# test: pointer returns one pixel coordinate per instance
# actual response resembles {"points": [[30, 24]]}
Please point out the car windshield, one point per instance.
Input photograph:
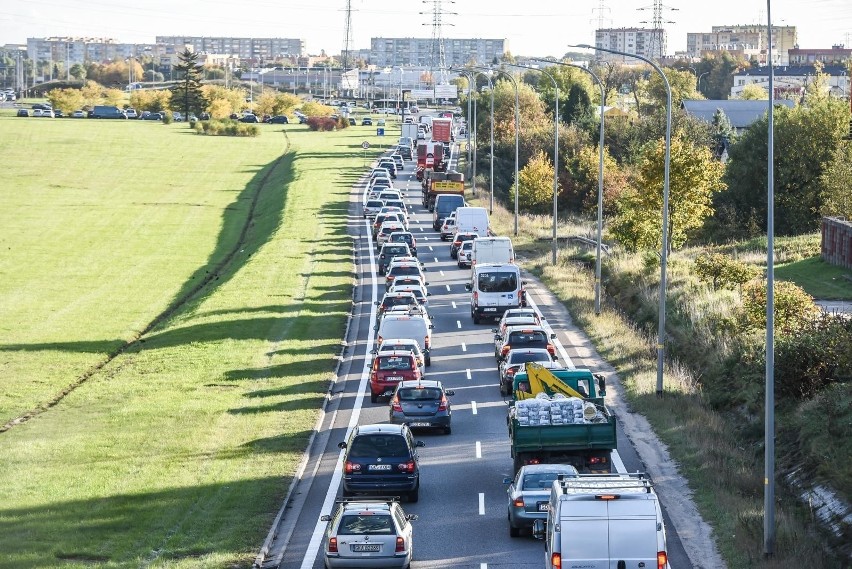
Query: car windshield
{"points": [[375, 203], [380, 445], [395, 249], [520, 358], [394, 362], [497, 282], [419, 394], [527, 336], [366, 524], [398, 301], [538, 481], [402, 270]]}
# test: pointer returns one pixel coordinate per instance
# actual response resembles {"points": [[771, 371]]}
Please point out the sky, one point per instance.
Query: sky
{"points": [[532, 27]]}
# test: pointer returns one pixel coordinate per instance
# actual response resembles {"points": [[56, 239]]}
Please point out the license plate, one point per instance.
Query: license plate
{"points": [[490, 309], [379, 467], [361, 547], [394, 378], [421, 424], [543, 506]]}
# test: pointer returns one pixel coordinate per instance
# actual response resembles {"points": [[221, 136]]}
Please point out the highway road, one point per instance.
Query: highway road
{"points": [[462, 508]]}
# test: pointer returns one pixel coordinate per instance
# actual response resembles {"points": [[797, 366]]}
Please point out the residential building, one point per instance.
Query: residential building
{"points": [[646, 42], [837, 55], [79, 49], [393, 52], [741, 114], [790, 81], [258, 49], [749, 41]]}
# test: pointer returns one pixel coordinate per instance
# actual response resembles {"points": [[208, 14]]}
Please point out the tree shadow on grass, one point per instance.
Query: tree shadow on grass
{"points": [[289, 369]]}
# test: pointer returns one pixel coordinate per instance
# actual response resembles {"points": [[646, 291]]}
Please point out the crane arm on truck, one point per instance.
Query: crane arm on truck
{"points": [[541, 380]]}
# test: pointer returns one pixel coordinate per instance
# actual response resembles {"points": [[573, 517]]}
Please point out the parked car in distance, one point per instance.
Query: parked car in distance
{"points": [[153, 117], [529, 493], [279, 119], [381, 459], [367, 121], [368, 533], [249, 119], [177, 117], [57, 113], [205, 116], [23, 113], [380, 122], [422, 404], [131, 113], [78, 114]]}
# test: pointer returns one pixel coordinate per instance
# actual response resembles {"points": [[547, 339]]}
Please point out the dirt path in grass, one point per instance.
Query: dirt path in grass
{"points": [[213, 274]]}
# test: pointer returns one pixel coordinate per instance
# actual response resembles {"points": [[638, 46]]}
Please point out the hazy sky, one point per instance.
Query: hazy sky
{"points": [[532, 27]]}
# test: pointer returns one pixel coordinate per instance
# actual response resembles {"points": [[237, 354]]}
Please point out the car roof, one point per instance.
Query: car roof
{"points": [[394, 353], [380, 428], [400, 341], [421, 383], [537, 468], [525, 327], [542, 351]]}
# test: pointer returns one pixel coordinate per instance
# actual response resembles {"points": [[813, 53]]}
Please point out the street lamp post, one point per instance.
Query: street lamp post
{"points": [[491, 148], [555, 154], [600, 180], [698, 88], [661, 330]]}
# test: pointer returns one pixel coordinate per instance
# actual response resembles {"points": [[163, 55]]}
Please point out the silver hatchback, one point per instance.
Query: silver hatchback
{"points": [[529, 493]]}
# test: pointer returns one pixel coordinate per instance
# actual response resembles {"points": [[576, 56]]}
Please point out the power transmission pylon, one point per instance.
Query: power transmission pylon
{"points": [[657, 32], [438, 57], [347, 37]]}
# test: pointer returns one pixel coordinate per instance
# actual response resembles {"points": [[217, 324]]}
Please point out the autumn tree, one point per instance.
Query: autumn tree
{"points": [[272, 103], [187, 96], [835, 183], [754, 92], [535, 185], [580, 193], [682, 84], [695, 177], [153, 100], [67, 100], [222, 101]]}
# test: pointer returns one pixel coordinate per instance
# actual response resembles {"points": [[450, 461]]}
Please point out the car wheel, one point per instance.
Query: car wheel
{"points": [[374, 398], [514, 532], [414, 496], [460, 265], [475, 317], [448, 430], [428, 360]]}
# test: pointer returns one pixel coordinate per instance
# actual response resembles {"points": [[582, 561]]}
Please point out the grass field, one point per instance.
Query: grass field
{"points": [[178, 451], [819, 279]]}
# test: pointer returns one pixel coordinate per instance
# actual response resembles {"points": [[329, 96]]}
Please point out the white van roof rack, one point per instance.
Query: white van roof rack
{"points": [[596, 483]]}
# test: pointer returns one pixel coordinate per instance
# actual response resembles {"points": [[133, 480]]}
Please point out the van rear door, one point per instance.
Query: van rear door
{"points": [[632, 532], [585, 534]]}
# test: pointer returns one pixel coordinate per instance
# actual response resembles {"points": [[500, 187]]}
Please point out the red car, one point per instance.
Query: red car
{"points": [[389, 368]]}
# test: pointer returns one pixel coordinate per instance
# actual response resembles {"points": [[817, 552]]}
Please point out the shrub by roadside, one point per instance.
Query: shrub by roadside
{"points": [[226, 127]]}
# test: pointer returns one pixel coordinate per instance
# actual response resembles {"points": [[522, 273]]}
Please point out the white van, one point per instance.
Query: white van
{"points": [[494, 289], [407, 326], [472, 220], [603, 521], [492, 250]]}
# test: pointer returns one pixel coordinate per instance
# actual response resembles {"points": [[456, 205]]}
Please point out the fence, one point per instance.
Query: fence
{"points": [[837, 241]]}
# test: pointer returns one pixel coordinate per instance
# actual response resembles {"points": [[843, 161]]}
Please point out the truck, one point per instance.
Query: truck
{"points": [[442, 130], [409, 130], [430, 156], [559, 416], [603, 521], [473, 220], [437, 183]]}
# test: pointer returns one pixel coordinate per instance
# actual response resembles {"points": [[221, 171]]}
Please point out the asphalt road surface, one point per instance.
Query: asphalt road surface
{"points": [[463, 505]]}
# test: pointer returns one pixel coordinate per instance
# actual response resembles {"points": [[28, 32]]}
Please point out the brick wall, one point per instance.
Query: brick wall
{"points": [[837, 241]]}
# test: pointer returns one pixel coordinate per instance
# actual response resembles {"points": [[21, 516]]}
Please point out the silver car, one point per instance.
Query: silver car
{"points": [[529, 493], [368, 533]]}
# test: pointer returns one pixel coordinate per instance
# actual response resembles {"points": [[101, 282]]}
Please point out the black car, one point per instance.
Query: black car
{"points": [[234, 116], [204, 116], [457, 242], [23, 113], [42, 106], [404, 151], [153, 117], [279, 119], [366, 121], [422, 404], [381, 459], [57, 113], [389, 251], [352, 121], [404, 237], [249, 119]]}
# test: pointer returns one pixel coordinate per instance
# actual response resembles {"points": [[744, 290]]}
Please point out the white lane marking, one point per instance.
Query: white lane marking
{"points": [[458, 323], [319, 529], [430, 248], [483, 566], [448, 290], [473, 407], [442, 273], [467, 373], [436, 259], [566, 361], [617, 462], [481, 504], [454, 303], [478, 449], [421, 229], [464, 347]]}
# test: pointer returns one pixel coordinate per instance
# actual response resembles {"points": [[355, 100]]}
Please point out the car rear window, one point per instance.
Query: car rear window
{"points": [[394, 362], [538, 481], [402, 270], [397, 301], [527, 336], [375, 203], [370, 524], [497, 282], [419, 394], [395, 249], [520, 358], [381, 445]]}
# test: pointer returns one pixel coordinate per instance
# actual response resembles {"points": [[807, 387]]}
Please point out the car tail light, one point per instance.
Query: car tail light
{"points": [[533, 461], [556, 560], [426, 342], [442, 406], [510, 371], [551, 350], [662, 560], [518, 502], [505, 350], [390, 277], [475, 297], [332, 545], [395, 404], [400, 545], [407, 466], [597, 460], [351, 467]]}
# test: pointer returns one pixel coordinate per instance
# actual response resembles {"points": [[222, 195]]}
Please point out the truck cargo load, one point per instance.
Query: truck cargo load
{"points": [[430, 155], [437, 183], [442, 130]]}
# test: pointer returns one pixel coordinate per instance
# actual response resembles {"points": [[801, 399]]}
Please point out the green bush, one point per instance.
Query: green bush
{"points": [[814, 357], [226, 127], [794, 308], [168, 117], [321, 123], [722, 271]]}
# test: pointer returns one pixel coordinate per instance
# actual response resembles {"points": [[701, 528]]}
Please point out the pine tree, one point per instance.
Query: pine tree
{"points": [[187, 96]]}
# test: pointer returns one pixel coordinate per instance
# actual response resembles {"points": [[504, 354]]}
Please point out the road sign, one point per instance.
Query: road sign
{"points": [[380, 132], [365, 145]]}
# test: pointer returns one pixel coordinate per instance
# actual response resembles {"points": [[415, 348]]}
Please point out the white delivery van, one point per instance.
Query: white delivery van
{"points": [[492, 250], [603, 521], [407, 326], [494, 289], [472, 220]]}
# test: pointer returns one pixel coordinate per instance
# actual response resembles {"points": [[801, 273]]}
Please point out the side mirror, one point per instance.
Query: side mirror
{"points": [[427, 284], [467, 287], [431, 326], [507, 480], [325, 518], [497, 336], [341, 445], [449, 393], [374, 351], [428, 294], [601, 385], [494, 330], [377, 303], [419, 444], [375, 327], [553, 336], [539, 529], [524, 283], [411, 517]]}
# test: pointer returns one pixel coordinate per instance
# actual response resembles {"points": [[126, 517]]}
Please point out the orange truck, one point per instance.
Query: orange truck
{"points": [[442, 130]]}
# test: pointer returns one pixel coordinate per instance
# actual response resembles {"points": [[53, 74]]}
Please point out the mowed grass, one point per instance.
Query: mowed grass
{"points": [[177, 453], [819, 279]]}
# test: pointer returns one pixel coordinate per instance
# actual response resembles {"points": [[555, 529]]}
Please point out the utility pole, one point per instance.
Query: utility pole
{"points": [[347, 44], [657, 31]]}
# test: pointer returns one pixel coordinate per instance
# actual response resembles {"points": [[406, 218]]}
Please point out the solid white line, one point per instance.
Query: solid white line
{"points": [[319, 529], [617, 462], [483, 566], [458, 323], [478, 449], [481, 504], [467, 372], [464, 347], [566, 361], [436, 259], [473, 407], [454, 304]]}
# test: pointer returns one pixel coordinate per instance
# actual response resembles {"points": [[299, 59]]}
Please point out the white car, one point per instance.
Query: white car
{"points": [[372, 207], [418, 291], [132, 114], [465, 254], [404, 345]]}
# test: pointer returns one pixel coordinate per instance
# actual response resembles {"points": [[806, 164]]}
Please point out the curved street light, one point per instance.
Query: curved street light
{"points": [[555, 152], [600, 180], [661, 330], [517, 131]]}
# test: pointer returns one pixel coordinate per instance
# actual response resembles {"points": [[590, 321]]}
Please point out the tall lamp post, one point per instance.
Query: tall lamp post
{"points": [[491, 150], [698, 87], [555, 154], [517, 132], [600, 179], [469, 76], [661, 330]]}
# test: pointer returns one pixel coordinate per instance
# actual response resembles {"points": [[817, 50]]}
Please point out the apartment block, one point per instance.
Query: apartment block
{"points": [[390, 52], [749, 41], [79, 49], [646, 42], [837, 55], [261, 49]]}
